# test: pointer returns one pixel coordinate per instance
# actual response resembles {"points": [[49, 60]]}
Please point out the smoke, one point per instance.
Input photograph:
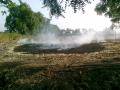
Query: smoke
{"points": [[51, 38]]}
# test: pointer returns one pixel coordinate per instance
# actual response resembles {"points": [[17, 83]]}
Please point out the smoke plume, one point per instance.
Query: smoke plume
{"points": [[51, 38]]}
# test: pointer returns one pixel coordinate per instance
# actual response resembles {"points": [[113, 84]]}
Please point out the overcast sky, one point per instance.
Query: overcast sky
{"points": [[72, 20]]}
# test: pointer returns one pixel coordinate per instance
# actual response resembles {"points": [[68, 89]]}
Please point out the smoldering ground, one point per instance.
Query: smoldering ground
{"points": [[65, 39]]}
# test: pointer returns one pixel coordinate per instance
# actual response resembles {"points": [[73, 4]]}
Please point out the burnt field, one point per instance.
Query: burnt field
{"points": [[35, 54], [87, 53], [56, 49], [92, 66]]}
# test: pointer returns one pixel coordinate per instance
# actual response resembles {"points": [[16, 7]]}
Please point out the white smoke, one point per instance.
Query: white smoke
{"points": [[51, 40]]}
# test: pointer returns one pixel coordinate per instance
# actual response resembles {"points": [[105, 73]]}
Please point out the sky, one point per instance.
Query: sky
{"points": [[89, 20], [2, 20]]}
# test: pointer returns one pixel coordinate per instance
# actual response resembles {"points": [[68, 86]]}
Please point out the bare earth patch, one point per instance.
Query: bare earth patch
{"points": [[107, 52]]}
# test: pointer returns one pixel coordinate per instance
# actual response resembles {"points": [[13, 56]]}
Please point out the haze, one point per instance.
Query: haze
{"points": [[72, 20]]}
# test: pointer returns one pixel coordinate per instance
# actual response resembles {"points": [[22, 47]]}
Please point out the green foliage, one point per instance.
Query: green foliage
{"points": [[23, 20], [7, 3], [109, 8], [56, 7]]}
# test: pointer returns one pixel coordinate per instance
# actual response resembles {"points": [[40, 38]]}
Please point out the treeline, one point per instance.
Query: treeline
{"points": [[21, 19], [50, 28]]}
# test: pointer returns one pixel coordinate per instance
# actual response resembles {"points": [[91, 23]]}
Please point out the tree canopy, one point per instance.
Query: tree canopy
{"points": [[23, 20], [55, 6], [110, 8], [7, 3]]}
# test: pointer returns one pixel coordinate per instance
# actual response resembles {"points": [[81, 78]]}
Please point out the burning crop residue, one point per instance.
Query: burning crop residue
{"points": [[38, 49], [65, 40], [49, 40]]}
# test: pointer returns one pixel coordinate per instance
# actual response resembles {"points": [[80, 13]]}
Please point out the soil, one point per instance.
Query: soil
{"points": [[94, 53]]}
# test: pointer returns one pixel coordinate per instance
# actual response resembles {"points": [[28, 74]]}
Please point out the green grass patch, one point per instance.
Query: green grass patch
{"points": [[7, 37]]}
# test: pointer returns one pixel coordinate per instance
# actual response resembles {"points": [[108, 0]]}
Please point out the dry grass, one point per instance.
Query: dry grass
{"points": [[7, 37], [98, 69]]}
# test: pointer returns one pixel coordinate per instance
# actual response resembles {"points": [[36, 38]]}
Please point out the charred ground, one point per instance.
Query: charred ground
{"points": [[91, 66], [79, 49]]}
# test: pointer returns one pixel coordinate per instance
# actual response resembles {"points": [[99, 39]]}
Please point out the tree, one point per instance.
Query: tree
{"points": [[23, 20], [7, 3], [55, 6], [110, 8]]}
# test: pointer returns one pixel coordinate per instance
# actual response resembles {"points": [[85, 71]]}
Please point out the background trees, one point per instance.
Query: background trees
{"points": [[109, 7], [56, 6], [23, 20]]}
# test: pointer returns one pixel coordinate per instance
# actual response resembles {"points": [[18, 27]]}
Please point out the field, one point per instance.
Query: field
{"points": [[94, 66]]}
